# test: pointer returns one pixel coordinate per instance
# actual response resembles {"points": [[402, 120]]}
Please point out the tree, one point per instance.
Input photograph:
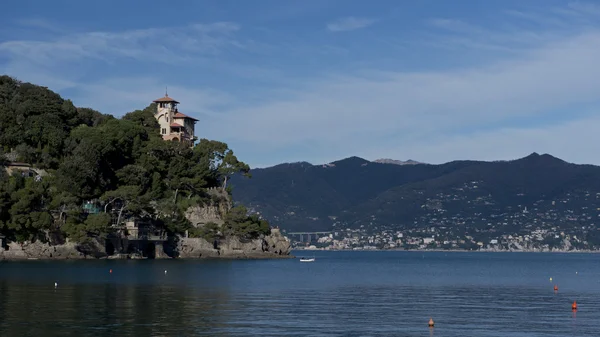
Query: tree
{"points": [[209, 232], [128, 198], [186, 175], [28, 214], [63, 202], [146, 119], [3, 162], [94, 226], [91, 117], [171, 217], [89, 157], [231, 165], [220, 159], [134, 175], [239, 223]]}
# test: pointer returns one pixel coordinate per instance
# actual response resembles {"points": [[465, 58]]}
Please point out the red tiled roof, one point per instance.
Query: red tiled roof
{"points": [[165, 99], [180, 115], [175, 125]]}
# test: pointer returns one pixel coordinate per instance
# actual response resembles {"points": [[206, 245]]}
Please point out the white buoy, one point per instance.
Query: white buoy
{"points": [[165, 271], [55, 284]]}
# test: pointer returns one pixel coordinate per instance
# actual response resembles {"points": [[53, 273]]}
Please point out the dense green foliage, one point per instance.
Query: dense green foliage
{"points": [[237, 223], [354, 191], [121, 166]]}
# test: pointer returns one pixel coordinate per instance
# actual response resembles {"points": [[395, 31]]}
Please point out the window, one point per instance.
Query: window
{"points": [[167, 119], [164, 131]]}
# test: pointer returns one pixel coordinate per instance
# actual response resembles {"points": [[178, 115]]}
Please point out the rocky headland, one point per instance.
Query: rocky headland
{"points": [[274, 245]]}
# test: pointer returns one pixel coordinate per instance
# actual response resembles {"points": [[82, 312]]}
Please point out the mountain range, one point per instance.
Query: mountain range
{"points": [[357, 192]]}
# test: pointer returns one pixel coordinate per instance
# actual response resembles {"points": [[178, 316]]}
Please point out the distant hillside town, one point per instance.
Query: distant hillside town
{"points": [[536, 203]]}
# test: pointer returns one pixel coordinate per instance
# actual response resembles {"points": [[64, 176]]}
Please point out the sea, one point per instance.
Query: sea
{"points": [[350, 293]]}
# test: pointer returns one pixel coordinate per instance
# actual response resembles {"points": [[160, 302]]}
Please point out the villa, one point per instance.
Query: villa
{"points": [[174, 125]]}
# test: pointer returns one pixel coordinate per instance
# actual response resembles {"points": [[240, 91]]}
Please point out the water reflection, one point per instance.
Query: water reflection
{"points": [[106, 310], [285, 298]]}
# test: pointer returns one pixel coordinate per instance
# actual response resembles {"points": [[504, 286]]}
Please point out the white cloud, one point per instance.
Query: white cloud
{"points": [[167, 45], [349, 23], [394, 115], [406, 103], [432, 116]]}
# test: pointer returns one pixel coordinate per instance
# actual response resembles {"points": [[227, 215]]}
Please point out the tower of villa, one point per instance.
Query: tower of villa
{"points": [[174, 125]]}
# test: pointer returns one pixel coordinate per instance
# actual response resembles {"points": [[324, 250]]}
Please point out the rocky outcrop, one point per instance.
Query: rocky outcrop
{"points": [[277, 243], [271, 246], [201, 215], [40, 250], [195, 248], [213, 210]]}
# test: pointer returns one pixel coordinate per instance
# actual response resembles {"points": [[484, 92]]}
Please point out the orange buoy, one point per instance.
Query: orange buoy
{"points": [[574, 305], [555, 288], [110, 271], [431, 322]]}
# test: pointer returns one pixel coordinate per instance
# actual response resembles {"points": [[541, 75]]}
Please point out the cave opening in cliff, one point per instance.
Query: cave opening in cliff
{"points": [[150, 250]]}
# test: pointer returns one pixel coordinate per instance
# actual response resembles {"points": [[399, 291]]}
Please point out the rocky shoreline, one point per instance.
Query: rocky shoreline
{"points": [[274, 246]]}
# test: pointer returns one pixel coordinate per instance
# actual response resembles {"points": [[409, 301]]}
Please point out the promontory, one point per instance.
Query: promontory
{"points": [[76, 183]]}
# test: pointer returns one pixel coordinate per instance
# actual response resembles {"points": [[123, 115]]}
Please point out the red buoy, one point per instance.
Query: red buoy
{"points": [[555, 288], [574, 306]]}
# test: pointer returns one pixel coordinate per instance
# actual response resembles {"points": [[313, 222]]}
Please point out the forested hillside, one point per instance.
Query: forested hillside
{"points": [[120, 166], [355, 192]]}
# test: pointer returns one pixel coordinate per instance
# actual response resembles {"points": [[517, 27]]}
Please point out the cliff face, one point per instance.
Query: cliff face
{"points": [[271, 246], [213, 210], [39, 250]]}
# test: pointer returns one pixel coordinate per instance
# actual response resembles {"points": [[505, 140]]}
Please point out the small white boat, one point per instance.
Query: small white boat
{"points": [[307, 259]]}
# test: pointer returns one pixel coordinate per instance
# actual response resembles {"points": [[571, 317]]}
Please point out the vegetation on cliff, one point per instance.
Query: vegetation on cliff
{"points": [[91, 170]]}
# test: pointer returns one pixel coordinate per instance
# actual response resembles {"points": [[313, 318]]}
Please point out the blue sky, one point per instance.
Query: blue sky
{"points": [[321, 80]]}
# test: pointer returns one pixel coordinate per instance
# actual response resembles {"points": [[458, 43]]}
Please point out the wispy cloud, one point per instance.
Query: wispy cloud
{"points": [[349, 23], [155, 44], [585, 7], [408, 103], [535, 89], [431, 115]]}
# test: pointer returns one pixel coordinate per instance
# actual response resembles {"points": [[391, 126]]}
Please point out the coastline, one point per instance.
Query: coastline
{"points": [[273, 246], [267, 256], [453, 251]]}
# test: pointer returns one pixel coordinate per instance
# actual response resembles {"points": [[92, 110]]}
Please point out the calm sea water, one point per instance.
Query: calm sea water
{"points": [[341, 294]]}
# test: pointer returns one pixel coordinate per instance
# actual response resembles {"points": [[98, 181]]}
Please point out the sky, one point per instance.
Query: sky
{"points": [[322, 80]]}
